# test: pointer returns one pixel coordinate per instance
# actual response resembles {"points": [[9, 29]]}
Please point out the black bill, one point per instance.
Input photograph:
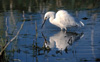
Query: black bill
{"points": [[43, 23]]}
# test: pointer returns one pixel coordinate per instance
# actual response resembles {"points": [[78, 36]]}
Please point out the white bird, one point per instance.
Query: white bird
{"points": [[61, 19]]}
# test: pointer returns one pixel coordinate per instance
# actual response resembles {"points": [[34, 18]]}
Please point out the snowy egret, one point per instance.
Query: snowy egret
{"points": [[61, 19]]}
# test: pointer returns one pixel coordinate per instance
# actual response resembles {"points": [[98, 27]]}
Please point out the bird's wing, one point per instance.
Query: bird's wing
{"points": [[65, 18]]}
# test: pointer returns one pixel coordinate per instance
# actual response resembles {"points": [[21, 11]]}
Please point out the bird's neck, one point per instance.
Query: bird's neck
{"points": [[51, 19]]}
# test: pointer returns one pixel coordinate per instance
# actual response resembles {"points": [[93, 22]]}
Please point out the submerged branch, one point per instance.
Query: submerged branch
{"points": [[13, 37]]}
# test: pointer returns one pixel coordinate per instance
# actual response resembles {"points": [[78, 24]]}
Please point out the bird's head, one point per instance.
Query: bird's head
{"points": [[47, 16]]}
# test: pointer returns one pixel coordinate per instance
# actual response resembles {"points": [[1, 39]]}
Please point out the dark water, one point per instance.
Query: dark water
{"points": [[76, 45]]}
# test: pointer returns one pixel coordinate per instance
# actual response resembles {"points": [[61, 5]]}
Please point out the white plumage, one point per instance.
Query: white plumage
{"points": [[61, 19]]}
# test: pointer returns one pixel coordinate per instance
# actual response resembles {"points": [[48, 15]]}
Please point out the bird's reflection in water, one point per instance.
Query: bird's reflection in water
{"points": [[62, 40]]}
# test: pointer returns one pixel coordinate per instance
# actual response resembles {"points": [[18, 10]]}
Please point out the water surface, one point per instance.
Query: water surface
{"points": [[77, 44]]}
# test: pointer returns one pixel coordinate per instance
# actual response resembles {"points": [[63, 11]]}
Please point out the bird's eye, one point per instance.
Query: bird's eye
{"points": [[45, 17]]}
